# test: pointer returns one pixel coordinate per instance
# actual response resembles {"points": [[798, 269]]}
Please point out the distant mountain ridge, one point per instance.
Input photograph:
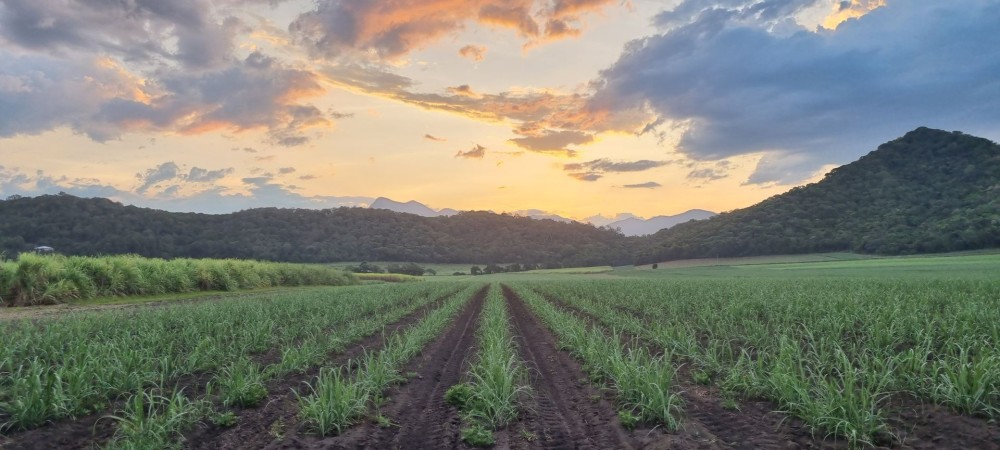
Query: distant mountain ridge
{"points": [[630, 226], [636, 226], [410, 207], [926, 192]]}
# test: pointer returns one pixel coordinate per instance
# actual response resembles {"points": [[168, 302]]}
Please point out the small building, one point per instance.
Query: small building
{"points": [[44, 249]]}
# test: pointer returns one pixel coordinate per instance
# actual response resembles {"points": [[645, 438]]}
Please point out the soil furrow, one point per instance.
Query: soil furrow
{"points": [[565, 411], [275, 422], [707, 424], [420, 417], [96, 429]]}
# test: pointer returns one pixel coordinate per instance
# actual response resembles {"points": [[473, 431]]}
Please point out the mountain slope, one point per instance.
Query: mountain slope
{"points": [[79, 226], [410, 207], [928, 191], [635, 226]]}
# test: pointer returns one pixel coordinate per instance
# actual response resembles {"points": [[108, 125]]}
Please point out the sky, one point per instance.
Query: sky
{"points": [[582, 108]]}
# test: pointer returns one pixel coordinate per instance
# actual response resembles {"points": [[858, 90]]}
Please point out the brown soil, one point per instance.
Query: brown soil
{"points": [[276, 422], [707, 424], [925, 426], [94, 430], [420, 417], [756, 425], [564, 411]]}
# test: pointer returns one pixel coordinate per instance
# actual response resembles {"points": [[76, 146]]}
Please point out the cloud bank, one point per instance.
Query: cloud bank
{"points": [[739, 77]]}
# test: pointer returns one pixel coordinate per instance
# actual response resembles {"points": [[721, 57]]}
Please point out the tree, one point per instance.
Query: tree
{"points": [[655, 266], [366, 267], [475, 270]]}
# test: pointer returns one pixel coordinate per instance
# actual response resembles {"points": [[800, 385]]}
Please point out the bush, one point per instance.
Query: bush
{"points": [[45, 279]]}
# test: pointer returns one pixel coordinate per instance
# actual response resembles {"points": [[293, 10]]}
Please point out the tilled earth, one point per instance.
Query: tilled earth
{"points": [[563, 411]]}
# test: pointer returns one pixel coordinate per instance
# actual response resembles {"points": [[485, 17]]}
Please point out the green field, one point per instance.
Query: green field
{"points": [[846, 348]]}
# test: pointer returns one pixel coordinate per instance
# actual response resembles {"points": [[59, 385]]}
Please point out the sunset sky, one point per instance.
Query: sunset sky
{"points": [[573, 107]]}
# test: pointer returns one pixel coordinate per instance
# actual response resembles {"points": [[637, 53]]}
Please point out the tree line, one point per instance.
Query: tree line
{"points": [[928, 191]]}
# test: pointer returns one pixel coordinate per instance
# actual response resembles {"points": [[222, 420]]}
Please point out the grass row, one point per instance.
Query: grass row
{"points": [[243, 383], [833, 353], [341, 396], [497, 377], [46, 279], [643, 383], [79, 364]]}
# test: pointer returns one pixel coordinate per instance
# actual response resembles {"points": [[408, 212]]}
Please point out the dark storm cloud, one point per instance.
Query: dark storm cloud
{"points": [[739, 83]]}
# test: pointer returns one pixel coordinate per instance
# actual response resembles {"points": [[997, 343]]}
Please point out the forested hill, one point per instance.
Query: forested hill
{"points": [[76, 226], [928, 191]]}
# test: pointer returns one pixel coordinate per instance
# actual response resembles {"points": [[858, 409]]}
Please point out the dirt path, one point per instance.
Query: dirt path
{"points": [[564, 411]]}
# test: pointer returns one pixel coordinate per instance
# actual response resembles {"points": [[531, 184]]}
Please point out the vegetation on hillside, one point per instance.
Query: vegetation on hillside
{"points": [[929, 191], [76, 226]]}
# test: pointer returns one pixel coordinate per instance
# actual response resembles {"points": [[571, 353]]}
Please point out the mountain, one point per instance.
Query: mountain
{"points": [[637, 226], [410, 207], [600, 221], [77, 226], [538, 214], [928, 191]]}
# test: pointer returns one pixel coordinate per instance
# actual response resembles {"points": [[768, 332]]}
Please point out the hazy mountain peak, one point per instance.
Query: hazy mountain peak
{"points": [[637, 226], [410, 207]]}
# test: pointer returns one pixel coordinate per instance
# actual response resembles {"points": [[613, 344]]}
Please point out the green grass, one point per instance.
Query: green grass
{"points": [[340, 397], [387, 277], [48, 279], [78, 364], [642, 382], [969, 266], [830, 350], [496, 380], [573, 270]]}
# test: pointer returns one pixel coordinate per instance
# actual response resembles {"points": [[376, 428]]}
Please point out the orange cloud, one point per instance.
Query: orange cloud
{"points": [[546, 121], [390, 29], [476, 53], [477, 152], [846, 10]]}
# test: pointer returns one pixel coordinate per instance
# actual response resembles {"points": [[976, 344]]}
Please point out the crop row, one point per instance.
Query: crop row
{"points": [[642, 382], [830, 352], [43, 279], [339, 396], [497, 378], [335, 400], [79, 364]]}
